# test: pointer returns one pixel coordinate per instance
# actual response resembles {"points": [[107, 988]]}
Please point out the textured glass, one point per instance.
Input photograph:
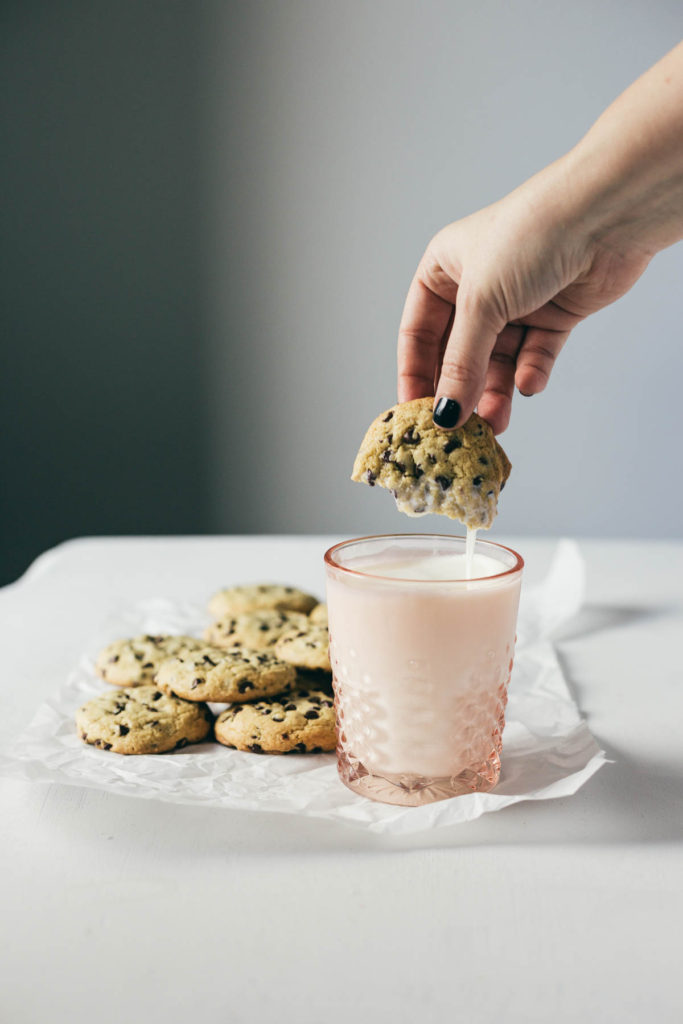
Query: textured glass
{"points": [[421, 670]]}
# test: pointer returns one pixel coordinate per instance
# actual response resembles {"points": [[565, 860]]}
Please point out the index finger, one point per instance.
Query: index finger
{"points": [[425, 321]]}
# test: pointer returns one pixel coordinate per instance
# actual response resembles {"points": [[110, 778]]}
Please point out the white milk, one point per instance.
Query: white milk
{"points": [[421, 665]]}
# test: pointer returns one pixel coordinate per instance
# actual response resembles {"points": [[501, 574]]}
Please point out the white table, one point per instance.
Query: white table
{"points": [[557, 911]]}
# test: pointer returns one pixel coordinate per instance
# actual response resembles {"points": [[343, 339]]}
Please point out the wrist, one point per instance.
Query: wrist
{"points": [[626, 187]]}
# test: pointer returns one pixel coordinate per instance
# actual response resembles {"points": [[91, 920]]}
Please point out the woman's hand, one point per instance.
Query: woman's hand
{"points": [[496, 294]]}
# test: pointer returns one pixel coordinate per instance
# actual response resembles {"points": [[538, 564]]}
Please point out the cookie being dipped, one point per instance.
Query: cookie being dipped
{"points": [[457, 473]]}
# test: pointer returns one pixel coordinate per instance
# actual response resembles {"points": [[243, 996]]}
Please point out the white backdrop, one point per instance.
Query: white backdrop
{"points": [[338, 138]]}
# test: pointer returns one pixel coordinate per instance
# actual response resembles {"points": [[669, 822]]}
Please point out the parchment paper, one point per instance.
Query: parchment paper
{"points": [[548, 750]]}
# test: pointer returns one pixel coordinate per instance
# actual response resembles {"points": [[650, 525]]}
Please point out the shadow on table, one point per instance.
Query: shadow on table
{"points": [[630, 801], [596, 618]]}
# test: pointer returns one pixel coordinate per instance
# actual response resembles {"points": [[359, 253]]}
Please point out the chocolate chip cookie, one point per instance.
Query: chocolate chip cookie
{"points": [[300, 723], [257, 630], [135, 661], [306, 648], [256, 596], [319, 615], [213, 673], [458, 473], [142, 720]]}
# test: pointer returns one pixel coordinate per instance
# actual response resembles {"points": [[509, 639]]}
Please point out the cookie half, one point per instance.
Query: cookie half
{"points": [[257, 596], [306, 648], [302, 722], [257, 630], [142, 720], [457, 473], [135, 661], [215, 674]]}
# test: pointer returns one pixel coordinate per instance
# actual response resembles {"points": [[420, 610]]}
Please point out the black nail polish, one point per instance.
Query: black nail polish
{"points": [[447, 412]]}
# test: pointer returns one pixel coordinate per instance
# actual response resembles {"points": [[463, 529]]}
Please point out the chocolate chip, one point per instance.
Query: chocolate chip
{"points": [[386, 455], [244, 685], [265, 711], [420, 510], [289, 590], [113, 659], [181, 743], [316, 750], [157, 695], [123, 730], [385, 419], [419, 471], [484, 461], [451, 445], [84, 735], [208, 661], [118, 708], [389, 438], [370, 477], [148, 664], [264, 627], [195, 683], [477, 481], [236, 710], [154, 639], [400, 467], [278, 718], [290, 707], [502, 485], [255, 748], [326, 703], [311, 714], [489, 494], [107, 746], [285, 735], [262, 658], [300, 748], [444, 482], [138, 657], [410, 437], [431, 459]]}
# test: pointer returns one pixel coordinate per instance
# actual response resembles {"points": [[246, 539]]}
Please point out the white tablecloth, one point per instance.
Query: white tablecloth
{"points": [[564, 910]]}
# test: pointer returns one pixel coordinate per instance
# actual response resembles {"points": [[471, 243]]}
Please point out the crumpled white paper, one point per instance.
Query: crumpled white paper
{"points": [[548, 750]]}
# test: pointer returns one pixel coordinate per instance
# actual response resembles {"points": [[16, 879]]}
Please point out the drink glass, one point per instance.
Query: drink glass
{"points": [[421, 659]]}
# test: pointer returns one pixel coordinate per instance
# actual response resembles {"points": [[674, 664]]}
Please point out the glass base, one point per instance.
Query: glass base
{"points": [[416, 790]]}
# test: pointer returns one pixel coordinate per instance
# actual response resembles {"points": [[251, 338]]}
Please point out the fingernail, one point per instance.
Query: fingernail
{"points": [[447, 412]]}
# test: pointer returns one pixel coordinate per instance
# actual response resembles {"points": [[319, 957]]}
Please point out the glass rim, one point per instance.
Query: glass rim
{"points": [[329, 558]]}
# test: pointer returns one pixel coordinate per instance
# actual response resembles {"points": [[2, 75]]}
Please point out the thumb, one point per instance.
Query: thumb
{"points": [[466, 359]]}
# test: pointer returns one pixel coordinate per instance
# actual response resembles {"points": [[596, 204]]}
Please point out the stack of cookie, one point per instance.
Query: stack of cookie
{"points": [[265, 655]]}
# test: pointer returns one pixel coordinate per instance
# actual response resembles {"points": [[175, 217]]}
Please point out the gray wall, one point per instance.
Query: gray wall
{"points": [[101, 390], [213, 213]]}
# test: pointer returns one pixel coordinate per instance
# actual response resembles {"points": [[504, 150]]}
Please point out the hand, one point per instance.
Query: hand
{"points": [[496, 295]]}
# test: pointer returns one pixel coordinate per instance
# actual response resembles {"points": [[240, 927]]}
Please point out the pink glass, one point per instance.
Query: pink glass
{"points": [[421, 669]]}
